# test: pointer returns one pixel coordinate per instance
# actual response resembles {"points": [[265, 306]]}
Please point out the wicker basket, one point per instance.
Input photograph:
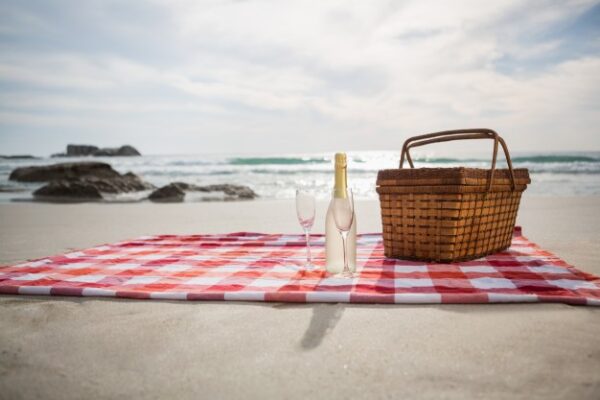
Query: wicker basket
{"points": [[449, 214]]}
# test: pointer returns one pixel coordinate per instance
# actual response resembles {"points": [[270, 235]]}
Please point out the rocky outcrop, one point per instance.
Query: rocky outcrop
{"points": [[79, 181], [125, 183], [83, 181], [171, 193], [175, 192], [125, 151], [68, 190], [78, 150], [46, 173], [75, 150], [82, 150], [91, 187], [239, 191], [235, 191], [17, 157]]}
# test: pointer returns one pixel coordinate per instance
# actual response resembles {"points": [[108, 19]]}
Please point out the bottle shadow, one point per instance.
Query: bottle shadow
{"points": [[324, 319]]}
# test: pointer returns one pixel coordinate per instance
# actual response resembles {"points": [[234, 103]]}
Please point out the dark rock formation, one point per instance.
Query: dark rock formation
{"points": [[92, 187], [125, 183], [18, 157], [76, 150], [68, 190], [176, 192], [237, 191], [83, 180], [182, 185], [242, 192], [168, 193], [82, 150], [120, 151], [46, 173]]}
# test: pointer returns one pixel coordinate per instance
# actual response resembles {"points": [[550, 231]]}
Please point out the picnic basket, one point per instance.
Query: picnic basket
{"points": [[449, 214]]}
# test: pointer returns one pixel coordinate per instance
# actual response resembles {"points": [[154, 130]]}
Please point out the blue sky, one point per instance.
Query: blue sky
{"points": [[296, 76]]}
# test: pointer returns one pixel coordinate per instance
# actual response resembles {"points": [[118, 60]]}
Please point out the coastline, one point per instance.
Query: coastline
{"points": [[276, 176], [58, 347]]}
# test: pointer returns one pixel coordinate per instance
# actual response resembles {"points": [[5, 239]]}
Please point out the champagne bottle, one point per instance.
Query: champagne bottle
{"points": [[334, 247]]}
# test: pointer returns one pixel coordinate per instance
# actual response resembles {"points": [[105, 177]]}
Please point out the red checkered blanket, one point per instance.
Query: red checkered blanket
{"points": [[268, 267]]}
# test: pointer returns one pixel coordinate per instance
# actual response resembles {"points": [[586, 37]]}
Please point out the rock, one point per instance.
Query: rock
{"points": [[81, 150], [65, 189], [82, 180], [126, 150], [187, 186], [239, 191], [178, 189], [169, 193], [47, 173], [122, 184], [18, 157], [87, 187], [82, 187], [77, 150]]}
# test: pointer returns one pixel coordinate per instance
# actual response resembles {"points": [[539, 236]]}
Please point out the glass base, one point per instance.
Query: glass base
{"points": [[309, 266]]}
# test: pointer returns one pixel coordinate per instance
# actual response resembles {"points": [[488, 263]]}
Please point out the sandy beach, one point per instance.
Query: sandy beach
{"points": [[72, 348], [124, 120]]}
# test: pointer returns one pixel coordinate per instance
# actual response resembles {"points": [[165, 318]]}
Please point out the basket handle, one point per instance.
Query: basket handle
{"points": [[460, 134]]}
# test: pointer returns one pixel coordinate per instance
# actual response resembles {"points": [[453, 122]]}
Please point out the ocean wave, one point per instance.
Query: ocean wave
{"points": [[277, 160], [538, 159], [443, 160], [547, 159], [277, 176], [189, 163], [564, 172], [264, 171]]}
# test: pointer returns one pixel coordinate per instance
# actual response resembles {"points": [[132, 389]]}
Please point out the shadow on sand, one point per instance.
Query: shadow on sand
{"points": [[323, 320]]}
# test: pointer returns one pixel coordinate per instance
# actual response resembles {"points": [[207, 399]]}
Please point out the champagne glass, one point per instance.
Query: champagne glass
{"points": [[343, 214], [305, 210]]}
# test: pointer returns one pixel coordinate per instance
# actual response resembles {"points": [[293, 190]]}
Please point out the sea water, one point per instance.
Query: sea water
{"points": [[277, 176]]}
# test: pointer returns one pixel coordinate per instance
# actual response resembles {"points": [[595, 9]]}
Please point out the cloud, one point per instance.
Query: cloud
{"points": [[297, 76]]}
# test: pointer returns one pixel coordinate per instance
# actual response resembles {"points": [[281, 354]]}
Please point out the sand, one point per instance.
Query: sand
{"points": [[71, 348]]}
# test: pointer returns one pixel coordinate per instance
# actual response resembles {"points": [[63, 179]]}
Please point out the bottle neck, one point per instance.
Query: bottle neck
{"points": [[341, 183]]}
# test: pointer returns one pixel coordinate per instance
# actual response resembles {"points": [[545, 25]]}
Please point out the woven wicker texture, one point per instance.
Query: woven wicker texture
{"points": [[449, 214]]}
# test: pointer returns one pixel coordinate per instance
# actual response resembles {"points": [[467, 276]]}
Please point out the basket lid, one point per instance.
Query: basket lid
{"points": [[449, 176]]}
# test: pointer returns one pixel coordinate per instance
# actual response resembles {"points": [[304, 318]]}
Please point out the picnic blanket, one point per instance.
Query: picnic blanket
{"points": [[269, 267]]}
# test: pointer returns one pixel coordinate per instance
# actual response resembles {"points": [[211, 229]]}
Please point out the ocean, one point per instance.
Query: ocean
{"points": [[277, 177]]}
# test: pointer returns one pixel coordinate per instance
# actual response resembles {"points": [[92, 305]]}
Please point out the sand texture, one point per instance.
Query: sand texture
{"points": [[73, 348]]}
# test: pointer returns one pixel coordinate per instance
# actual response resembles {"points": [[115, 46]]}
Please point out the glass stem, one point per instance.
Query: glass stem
{"points": [[308, 255], [346, 268]]}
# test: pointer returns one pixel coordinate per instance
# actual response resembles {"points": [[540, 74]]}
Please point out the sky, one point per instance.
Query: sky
{"points": [[261, 76]]}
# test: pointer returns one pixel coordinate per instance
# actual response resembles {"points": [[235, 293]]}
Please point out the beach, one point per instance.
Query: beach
{"points": [[71, 348], [158, 158]]}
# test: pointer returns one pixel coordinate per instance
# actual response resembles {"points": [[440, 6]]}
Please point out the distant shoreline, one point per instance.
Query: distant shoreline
{"points": [[277, 176]]}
